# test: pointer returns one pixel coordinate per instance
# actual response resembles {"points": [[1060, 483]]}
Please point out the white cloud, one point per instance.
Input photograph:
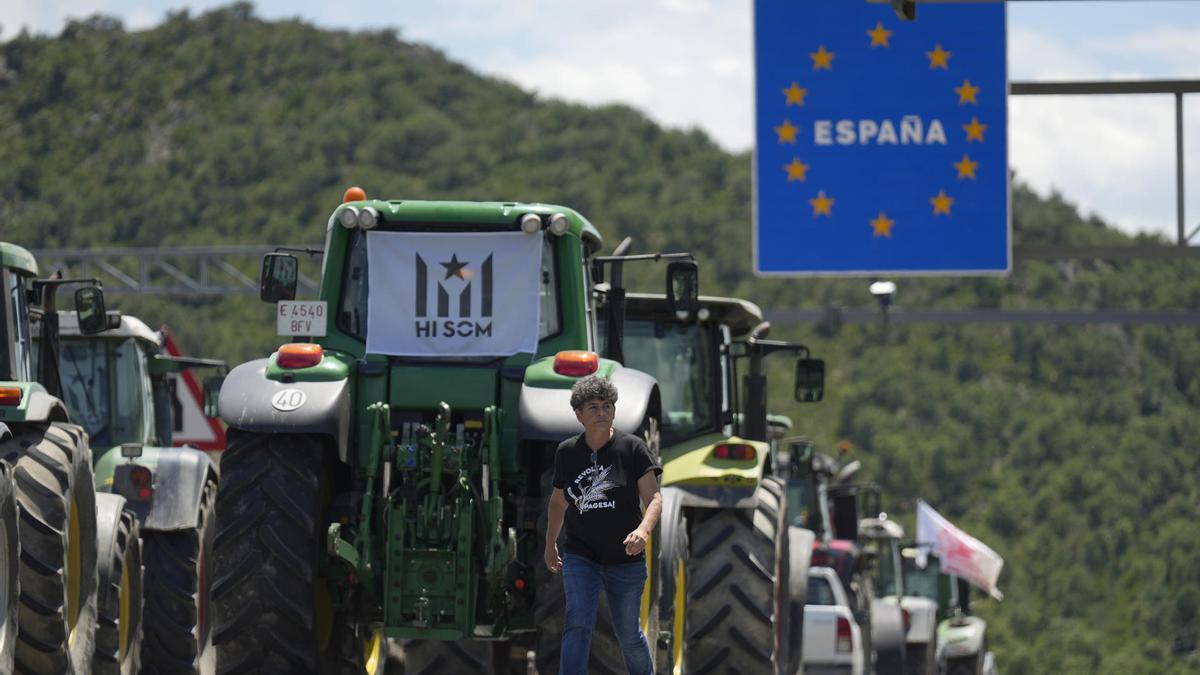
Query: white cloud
{"points": [[19, 14], [1175, 49]]}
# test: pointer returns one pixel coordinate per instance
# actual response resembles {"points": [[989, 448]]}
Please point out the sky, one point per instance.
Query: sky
{"points": [[689, 64]]}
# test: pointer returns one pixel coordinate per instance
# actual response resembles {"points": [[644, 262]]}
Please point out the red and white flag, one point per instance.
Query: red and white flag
{"points": [[959, 553]]}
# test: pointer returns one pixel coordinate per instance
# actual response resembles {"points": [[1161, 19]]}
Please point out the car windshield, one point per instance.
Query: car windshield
{"points": [[682, 359], [103, 386], [820, 592]]}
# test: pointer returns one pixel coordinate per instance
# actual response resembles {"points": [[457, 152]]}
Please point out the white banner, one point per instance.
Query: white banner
{"points": [[453, 294], [959, 553]]}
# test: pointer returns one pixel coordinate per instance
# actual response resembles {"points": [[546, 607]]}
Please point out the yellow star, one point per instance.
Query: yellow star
{"points": [[795, 94], [966, 93], [941, 203], [822, 59], [939, 58], [822, 205], [974, 130], [966, 168], [879, 36], [883, 225], [797, 170], [787, 132]]}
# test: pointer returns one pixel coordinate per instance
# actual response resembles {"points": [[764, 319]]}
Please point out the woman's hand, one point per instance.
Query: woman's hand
{"points": [[553, 562], [635, 542]]}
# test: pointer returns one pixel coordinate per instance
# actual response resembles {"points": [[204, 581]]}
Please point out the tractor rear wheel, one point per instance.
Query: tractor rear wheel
{"points": [[119, 630], [672, 594], [273, 609], [737, 587], [58, 573], [10, 558], [178, 571], [433, 657]]}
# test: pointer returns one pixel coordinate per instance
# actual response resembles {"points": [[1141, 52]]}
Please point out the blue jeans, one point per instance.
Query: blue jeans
{"points": [[622, 584]]}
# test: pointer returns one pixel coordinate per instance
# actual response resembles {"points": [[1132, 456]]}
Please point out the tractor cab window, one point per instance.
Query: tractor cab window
{"points": [[681, 358], [548, 320], [105, 385], [921, 582], [21, 344], [889, 577]]}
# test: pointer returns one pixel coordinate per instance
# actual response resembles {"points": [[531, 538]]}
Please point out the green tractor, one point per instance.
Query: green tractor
{"points": [[386, 473], [119, 385], [731, 565], [961, 637], [78, 570]]}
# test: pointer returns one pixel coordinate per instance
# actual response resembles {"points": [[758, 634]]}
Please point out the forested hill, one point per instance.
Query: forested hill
{"points": [[1073, 451]]}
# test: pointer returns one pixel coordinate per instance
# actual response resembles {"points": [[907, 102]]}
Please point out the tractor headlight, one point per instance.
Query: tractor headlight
{"points": [[558, 224], [368, 218], [348, 217], [530, 223]]}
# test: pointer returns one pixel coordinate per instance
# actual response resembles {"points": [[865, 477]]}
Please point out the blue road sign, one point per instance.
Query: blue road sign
{"points": [[881, 145]]}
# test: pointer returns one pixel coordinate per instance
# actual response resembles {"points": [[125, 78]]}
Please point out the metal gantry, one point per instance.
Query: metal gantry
{"points": [[165, 270]]}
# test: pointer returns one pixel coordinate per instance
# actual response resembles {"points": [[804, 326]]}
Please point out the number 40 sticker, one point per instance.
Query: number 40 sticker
{"points": [[288, 400]]}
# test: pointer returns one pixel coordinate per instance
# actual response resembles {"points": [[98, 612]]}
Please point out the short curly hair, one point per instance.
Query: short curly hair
{"points": [[593, 388]]}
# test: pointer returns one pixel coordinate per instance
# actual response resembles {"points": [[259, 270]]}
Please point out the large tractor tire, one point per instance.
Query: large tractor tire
{"points": [[56, 500], [10, 553], [120, 629], [887, 637], [672, 595], [738, 602], [273, 609], [434, 657], [179, 567]]}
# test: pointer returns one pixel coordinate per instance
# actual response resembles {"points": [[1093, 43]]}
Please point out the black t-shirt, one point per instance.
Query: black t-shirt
{"points": [[603, 505]]}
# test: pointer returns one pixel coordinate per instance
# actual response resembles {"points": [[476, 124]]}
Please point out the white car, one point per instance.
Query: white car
{"points": [[833, 642]]}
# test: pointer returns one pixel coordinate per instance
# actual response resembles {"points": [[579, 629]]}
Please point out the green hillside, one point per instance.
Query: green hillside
{"points": [[1073, 451]]}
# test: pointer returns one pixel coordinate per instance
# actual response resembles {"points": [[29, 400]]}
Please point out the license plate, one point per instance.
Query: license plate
{"points": [[300, 317]]}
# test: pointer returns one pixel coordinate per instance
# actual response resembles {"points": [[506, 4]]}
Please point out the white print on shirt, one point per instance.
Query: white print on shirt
{"points": [[593, 496]]}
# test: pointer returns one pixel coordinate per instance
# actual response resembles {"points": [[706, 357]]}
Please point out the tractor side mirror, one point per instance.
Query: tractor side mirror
{"points": [[683, 287], [810, 380], [278, 279], [89, 307], [212, 394]]}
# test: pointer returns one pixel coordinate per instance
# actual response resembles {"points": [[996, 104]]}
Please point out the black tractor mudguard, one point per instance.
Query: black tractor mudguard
{"points": [[179, 480], [251, 402]]}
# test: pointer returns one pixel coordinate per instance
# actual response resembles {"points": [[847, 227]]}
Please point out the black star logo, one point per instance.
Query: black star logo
{"points": [[454, 268]]}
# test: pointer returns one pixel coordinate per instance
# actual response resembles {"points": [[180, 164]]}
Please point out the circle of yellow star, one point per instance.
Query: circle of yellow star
{"points": [[822, 205], [882, 225], [941, 203], [795, 94], [879, 36], [939, 58], [822, 59], [966, 168], [974, 130], [966, 93], [787, 132], [796, 170]]}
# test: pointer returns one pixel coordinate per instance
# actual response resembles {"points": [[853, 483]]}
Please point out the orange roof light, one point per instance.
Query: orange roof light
{"points": [[354, 194], [10, 396], [576, 363], [299, 355]]}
